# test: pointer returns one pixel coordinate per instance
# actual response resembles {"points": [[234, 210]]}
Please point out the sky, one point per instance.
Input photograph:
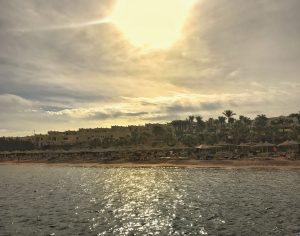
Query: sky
{"points": [[69, 64]]}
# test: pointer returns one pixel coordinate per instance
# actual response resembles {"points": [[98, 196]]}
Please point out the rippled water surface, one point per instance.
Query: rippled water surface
{"points": [[60, 200]]}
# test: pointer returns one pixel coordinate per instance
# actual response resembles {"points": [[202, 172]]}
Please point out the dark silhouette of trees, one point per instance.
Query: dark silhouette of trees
{"points": [[200, 123], [189, 140], [296, 115], [192, 131], [15, 144], [229, 115], [191, 119], [222, 120], [158, 131]]}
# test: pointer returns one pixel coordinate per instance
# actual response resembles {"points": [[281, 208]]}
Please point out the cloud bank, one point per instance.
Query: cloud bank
{"points": [[232, 54]]}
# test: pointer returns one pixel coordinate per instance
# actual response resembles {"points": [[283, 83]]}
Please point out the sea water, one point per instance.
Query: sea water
{"points": [[65, 200]]}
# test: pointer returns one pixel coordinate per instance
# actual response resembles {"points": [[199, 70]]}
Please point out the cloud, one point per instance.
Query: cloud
{"points": [[64, 27], [114, 115], [53, 108], [11, 102], [66, 72], [186, 108], [211, 106], [180, 108]]}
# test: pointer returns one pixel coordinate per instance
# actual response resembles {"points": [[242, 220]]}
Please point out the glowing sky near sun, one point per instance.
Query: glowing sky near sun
{"points": [[153, 24]]}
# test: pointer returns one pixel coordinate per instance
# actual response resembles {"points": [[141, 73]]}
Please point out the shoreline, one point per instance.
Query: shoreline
{"points": [[219, 164]]}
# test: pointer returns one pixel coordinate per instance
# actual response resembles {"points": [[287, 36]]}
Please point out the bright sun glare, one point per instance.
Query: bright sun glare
{"points": [[151, 23]]}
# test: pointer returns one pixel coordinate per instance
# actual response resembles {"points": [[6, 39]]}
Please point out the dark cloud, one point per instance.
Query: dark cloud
{"points": [[190, 109], [211, 106], [115, 115], [177, 108], [163, 118]]}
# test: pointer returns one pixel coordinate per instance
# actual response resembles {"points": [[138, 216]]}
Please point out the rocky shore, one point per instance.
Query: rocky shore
{"points": [[180, 157], [100, 156]]}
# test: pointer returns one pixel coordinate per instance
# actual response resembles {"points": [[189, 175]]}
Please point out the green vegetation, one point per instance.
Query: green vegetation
{"points": [[190, 132], [11, 144], [236, 131]]}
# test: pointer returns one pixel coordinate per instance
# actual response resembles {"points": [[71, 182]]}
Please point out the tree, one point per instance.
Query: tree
{"points": [[210, 123], [191, 119], [221, 120], [229, 114], [189, 140], [296, 115], [190, 122], [221, 132], [240, 132], [175, 124], [200, 123], [261, 121], [245, 120], [13, 144], [231, 120], [135, 137], [169, 138], [158, 131], [185, 124]]}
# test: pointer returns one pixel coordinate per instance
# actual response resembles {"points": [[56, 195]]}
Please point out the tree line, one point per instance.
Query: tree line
{"points": [[12, 144], [192, 131], [235, 130], [228, 127]]}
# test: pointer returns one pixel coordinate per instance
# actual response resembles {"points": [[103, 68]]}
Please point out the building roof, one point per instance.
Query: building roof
{"points": [[288, 143]]}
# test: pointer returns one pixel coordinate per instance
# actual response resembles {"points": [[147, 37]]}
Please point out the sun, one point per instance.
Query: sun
{"points": [[151, 23]]}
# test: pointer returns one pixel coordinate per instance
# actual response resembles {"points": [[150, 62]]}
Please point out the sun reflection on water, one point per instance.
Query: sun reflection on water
{"points": [[140, 191], [137, 202]]}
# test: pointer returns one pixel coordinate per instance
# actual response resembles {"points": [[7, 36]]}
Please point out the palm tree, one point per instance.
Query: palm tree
{"points": [[229, 114], [284, 123], [261, 122], [210, 122], [185, 124], [191, 119], [245, 120], [200, 123], [221, 120], [176, 124]]}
